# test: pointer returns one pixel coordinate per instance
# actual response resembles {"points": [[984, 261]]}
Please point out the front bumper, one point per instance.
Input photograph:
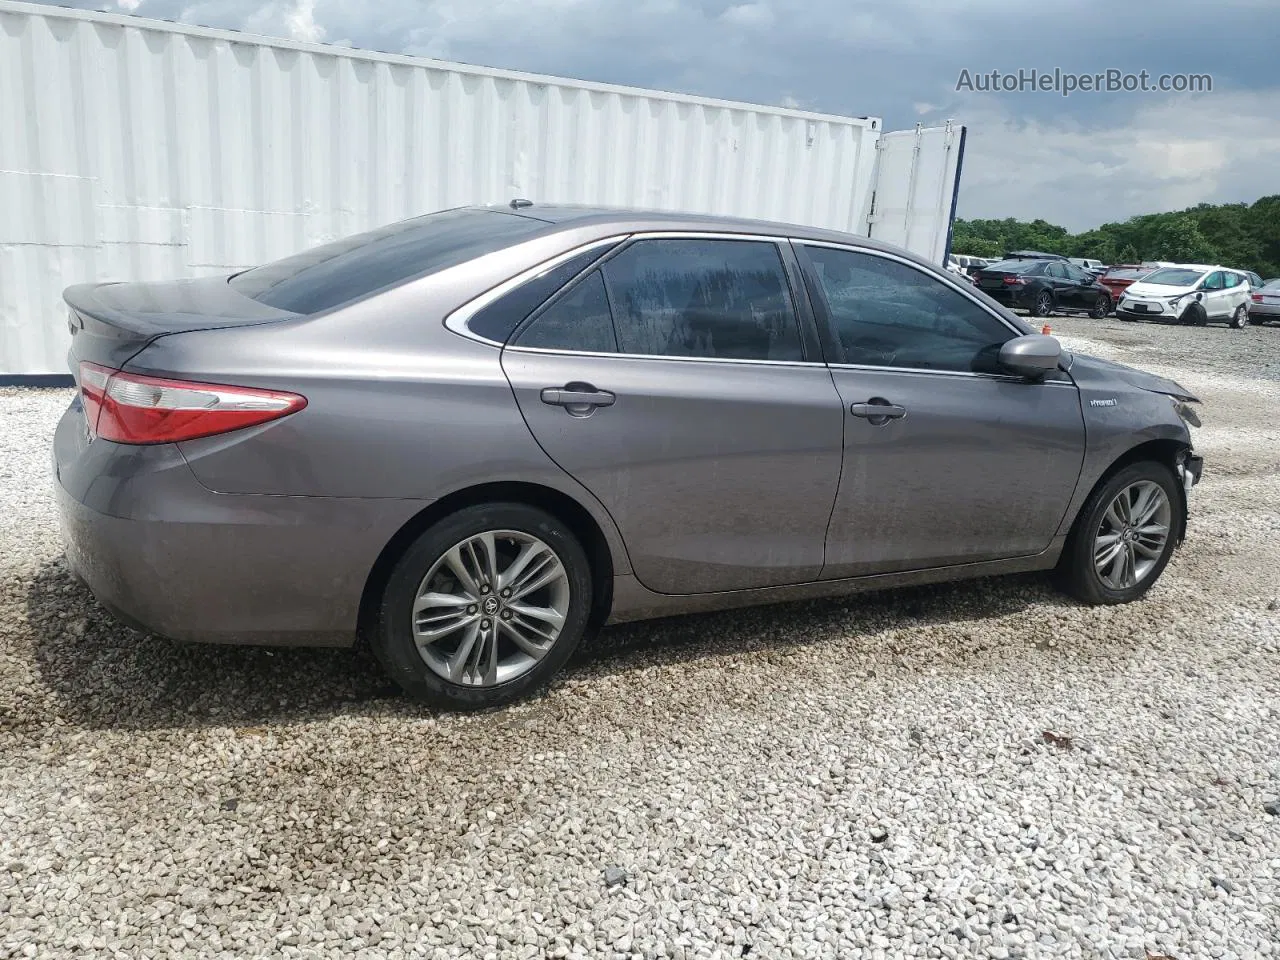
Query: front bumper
{"points": [[166, 554], [1190, 468]]}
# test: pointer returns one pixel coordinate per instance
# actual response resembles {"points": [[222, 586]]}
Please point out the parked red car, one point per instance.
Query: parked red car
{"points": [[1120, 276]]}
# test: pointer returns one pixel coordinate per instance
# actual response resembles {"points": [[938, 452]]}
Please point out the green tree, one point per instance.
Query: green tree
{"points": [[1244, 236]]}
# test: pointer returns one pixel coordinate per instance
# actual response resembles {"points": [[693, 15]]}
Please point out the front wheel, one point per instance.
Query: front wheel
{"points": [[1195, 315], [483, 607], [1240, 319], [1124, 536], [1042, 306], [1101, 307]]}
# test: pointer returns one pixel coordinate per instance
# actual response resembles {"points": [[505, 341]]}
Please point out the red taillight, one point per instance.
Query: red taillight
{"points": [[130, 408], [1257, 298], [1013, 281]]}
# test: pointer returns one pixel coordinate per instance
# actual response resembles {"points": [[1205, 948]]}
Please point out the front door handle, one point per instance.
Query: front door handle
{"points": [[878, 411]]}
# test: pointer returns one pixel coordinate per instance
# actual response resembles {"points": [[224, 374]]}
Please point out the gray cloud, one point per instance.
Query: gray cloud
{"points": [[1079, 160]]}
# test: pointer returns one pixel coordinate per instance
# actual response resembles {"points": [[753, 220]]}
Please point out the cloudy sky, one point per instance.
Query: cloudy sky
{"points": [[1079, 161]]}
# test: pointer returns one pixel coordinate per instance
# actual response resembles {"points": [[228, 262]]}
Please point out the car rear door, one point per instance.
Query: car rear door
{"points": [[1215, 296], [1236, 292], [681, 382], [1064, 292], [947, 460]]}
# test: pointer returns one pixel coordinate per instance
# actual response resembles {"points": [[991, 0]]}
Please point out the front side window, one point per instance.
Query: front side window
{"points": [[722, 299], [1214, 281], [889, 314], [1076, 274]]}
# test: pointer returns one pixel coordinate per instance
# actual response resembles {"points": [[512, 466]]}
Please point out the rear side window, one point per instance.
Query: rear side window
{"points": [[888, 314], [345, 270], [499, 319], [579, 321], [723, 299]]}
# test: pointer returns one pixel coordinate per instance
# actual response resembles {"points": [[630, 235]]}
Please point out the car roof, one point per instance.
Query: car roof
{"points": [[626, 218]]}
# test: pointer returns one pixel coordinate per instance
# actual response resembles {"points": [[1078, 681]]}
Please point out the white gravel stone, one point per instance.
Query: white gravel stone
{"points": [[158, 799]]}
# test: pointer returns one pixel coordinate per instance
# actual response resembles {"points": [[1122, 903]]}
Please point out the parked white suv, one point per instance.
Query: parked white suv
{"points": [[1189, 293]]}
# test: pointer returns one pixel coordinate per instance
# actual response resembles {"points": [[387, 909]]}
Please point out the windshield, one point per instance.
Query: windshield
{"points": [[1015, 266], [345, 270], [1174, 277], [1126, 274]]}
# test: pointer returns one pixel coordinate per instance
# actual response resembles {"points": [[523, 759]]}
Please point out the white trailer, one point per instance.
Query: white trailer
{"points": [[135, 149]]}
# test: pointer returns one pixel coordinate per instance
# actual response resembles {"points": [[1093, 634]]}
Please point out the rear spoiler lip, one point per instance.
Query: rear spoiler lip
{"points": [[87, 303]]}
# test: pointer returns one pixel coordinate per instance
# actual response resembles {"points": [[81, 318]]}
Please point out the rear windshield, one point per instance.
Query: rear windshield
{"points": [[1015, 266], [345, 270], [1174, 277], [1271, 285]]}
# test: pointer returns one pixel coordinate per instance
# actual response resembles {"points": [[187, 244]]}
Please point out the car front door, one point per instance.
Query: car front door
{"points": [[1081, 285], [947, 460], [682, 384]]}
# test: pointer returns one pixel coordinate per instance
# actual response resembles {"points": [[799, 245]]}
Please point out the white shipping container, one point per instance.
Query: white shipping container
{"points": [[135, 149]]}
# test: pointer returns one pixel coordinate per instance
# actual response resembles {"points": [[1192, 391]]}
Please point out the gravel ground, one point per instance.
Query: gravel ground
{"points": [[972, 770]]}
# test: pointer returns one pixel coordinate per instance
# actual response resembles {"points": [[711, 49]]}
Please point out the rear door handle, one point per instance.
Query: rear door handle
{"points": [[577, 395], [878, 410]]}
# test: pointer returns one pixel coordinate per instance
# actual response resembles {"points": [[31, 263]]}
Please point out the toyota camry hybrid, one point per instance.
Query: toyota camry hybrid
{"points": [[476, 436]]}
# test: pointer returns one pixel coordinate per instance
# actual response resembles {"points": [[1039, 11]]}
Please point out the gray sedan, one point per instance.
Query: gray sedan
{"points": [[1264, 304], [477, 436]]}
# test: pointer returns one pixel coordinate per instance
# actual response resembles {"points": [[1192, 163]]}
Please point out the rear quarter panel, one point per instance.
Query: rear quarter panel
{"points": [[397, 406]]}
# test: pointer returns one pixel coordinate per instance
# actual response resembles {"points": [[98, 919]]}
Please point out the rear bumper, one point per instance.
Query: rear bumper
{"points": [[1264, 309], [169, 556]]}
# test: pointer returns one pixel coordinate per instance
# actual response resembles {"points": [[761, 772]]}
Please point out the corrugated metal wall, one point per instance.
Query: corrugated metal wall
{"points": [[135, 149]]}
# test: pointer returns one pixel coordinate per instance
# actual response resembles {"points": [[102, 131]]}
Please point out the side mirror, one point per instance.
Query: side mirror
{"points": [[1199, 296], [1032, 356]]}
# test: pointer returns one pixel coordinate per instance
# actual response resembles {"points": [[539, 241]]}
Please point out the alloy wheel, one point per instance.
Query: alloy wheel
{"points": [[1133, 534], [1101, 308], [490, 608], [1044, 303]]}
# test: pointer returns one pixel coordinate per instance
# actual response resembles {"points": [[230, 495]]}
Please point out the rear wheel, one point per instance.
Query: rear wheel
{"points": [[483, 607], [1042, 306], [1240, 319], [1101, 307], [1124, 536]]}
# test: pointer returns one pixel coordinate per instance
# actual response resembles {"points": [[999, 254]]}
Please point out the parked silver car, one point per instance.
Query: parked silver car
{"points": [[478, 435]]}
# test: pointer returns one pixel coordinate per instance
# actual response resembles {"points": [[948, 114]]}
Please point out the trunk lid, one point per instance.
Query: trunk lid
{"points": [[111, 322]]}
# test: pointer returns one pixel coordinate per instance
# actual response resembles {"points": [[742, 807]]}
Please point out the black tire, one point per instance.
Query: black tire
{"points": [[1077, 574], [1042, 305], [1240, 319], [392, 640], [1195, 316], [1101, 307]]}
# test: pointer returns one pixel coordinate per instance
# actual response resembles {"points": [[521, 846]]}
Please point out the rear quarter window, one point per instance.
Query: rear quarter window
{"points": [[335, 273]]}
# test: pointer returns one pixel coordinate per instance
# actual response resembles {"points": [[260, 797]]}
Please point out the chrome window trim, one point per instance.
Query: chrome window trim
{"points": [[936, 274], [807, 364], [457, 320], [1003, 377]]}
